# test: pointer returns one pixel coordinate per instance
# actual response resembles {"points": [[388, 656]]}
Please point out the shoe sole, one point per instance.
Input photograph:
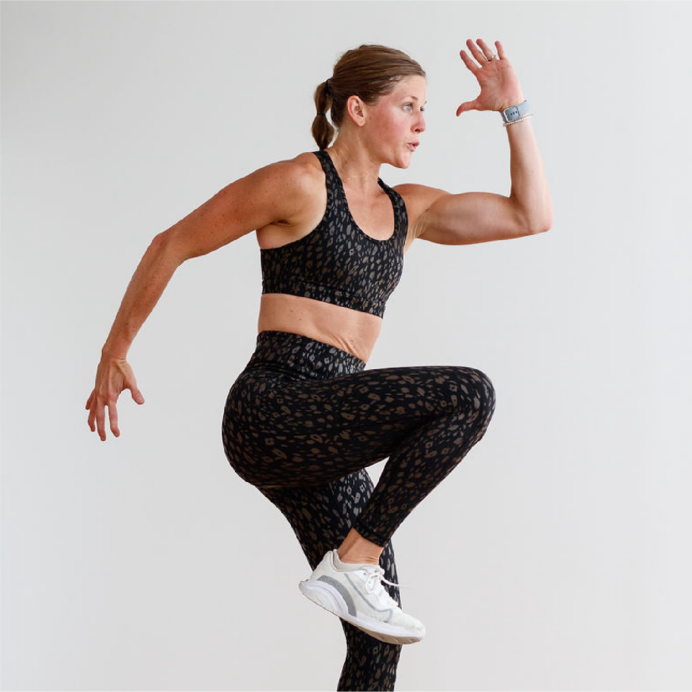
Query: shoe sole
{"points": [[329, 599]]}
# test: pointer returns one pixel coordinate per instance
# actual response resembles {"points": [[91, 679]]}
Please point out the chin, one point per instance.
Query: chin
{"points": [[402, 163]]}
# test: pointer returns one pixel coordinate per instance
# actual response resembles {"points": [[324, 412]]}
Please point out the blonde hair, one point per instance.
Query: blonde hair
{"points": [[369, 72]]}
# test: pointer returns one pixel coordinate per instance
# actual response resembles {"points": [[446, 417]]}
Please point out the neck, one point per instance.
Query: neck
{"points": [[355, 164]]}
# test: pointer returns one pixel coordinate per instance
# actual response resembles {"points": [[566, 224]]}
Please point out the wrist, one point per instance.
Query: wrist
{"points": [[114, 351], [516, 113]]}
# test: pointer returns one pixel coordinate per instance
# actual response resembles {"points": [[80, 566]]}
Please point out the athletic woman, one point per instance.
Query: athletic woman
{"points": [[305, 418]]}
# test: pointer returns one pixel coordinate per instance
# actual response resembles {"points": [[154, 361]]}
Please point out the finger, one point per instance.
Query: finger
{"points": [[137, 396], [100, 421], [476, 52], [91, 396], [501, 51], [113, 417], [468, 62], [487, 51], [92, 415], [467, 106]]}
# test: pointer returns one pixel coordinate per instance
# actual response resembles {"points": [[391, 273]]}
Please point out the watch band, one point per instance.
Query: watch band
{"points": [[509, 115]]}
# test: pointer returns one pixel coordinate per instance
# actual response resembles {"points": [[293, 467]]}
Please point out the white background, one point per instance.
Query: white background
{"points": [[557, 556]]}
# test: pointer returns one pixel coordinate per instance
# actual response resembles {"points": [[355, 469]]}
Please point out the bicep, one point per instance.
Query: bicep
{"points": [[471, 217], [465, 218]]}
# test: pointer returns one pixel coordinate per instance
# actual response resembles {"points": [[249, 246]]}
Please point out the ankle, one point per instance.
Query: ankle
{"points": [[359, 550], [355, 557]]}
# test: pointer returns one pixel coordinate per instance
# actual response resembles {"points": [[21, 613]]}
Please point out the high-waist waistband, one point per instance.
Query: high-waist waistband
{"points": [[300, 355]]}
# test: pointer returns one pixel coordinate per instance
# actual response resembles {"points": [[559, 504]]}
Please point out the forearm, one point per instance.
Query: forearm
{"points": [[529, 189], [151, 277]]}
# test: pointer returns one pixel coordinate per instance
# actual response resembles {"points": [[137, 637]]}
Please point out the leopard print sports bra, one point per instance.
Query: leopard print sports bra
{"points": [[338, 262]]}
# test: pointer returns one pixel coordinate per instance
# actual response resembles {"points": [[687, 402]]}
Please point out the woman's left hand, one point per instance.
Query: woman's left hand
{"points": [[499, 83]]}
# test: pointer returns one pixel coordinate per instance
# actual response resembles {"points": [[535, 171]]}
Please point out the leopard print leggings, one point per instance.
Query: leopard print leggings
{"points": [[302, 422]]}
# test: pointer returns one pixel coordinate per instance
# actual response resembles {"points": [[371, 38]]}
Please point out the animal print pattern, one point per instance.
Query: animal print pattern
{"points": [[321, 517], [337, 262], [302, 422]]}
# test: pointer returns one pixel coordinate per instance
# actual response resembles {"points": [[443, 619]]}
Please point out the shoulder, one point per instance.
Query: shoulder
{"points": [[303, 166], [418, 199], [296, 174], [284, 188]]}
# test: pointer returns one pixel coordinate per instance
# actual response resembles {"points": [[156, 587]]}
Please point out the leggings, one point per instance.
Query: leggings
{"points": [[303, 421]]}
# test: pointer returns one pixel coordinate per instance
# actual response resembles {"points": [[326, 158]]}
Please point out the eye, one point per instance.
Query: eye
{"points": [[409, 107]]}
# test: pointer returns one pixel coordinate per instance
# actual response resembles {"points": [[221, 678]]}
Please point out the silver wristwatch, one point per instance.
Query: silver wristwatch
{"points": [[509, 115]]}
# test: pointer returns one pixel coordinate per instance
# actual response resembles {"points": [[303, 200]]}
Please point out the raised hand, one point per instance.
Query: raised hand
{"points": [[499, 83], [113, 376]]}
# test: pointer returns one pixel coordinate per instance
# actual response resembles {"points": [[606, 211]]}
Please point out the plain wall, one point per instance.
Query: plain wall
{"points": [[558, 554]]}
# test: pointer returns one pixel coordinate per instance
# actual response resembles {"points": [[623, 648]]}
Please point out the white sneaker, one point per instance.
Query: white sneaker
{"points": [[355, 593]]}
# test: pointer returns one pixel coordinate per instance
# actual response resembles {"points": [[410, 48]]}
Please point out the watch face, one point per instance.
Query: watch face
{"points": [[514, 112]]}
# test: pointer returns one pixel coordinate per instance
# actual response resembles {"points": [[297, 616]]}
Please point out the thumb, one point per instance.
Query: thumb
{"points": [[467, 106], [137, 396]]}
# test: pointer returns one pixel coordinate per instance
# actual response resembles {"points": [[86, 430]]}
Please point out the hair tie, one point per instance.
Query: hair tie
{"points": [[324, 114]]}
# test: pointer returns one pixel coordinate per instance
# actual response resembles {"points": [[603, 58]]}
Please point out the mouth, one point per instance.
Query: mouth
{"points": [[412, 145]]}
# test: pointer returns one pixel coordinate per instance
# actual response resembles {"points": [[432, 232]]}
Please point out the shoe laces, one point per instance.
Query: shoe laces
{"points": [[374, 578]]}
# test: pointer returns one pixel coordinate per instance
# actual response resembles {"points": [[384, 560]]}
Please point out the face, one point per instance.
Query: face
{"points": [[395, 123]]}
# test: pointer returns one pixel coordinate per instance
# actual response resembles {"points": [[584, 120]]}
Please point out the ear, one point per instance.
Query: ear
{"points": [[355, 109]]}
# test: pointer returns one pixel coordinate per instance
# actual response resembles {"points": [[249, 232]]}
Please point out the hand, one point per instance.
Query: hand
{"points": [[112, 377], [498, 81]]}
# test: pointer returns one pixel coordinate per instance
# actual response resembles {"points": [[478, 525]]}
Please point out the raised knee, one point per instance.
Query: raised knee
{"points": [[482, 395], [479, 395]]}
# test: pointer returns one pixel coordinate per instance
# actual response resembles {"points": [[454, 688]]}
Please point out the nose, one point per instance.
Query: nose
{"points": [[420, 124]]}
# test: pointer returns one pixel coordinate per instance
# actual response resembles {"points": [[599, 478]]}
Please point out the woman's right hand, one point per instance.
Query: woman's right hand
{"points": [[112, 377]]}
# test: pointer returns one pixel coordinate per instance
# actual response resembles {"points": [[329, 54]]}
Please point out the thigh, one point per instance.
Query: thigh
{"points": [[292, 432]]}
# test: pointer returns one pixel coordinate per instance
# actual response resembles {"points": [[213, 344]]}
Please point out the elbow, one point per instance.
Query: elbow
{"points": [[535, 226], [548, 222], [535, 219], [540, 223], [159, 242], [164, 246], [541, 227]]}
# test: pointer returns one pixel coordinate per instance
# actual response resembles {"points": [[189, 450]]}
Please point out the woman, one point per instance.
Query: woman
{"points": [[304, 419]]}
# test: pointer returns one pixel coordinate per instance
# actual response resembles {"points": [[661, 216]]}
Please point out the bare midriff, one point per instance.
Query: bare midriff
{"points": [[350, 330]]}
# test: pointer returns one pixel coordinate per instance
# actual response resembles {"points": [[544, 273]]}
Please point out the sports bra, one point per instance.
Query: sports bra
{"points": [[337, 262]]}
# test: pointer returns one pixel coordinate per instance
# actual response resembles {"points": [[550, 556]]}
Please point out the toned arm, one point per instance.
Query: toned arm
{"points": [[478, 217], [271, 194]]}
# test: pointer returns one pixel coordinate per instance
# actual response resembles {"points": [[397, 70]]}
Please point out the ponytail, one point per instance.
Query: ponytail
{"points": [[322, 129]]}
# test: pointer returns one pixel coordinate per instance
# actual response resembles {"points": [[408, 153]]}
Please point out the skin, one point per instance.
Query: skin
{"points": [[286, 200]]}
